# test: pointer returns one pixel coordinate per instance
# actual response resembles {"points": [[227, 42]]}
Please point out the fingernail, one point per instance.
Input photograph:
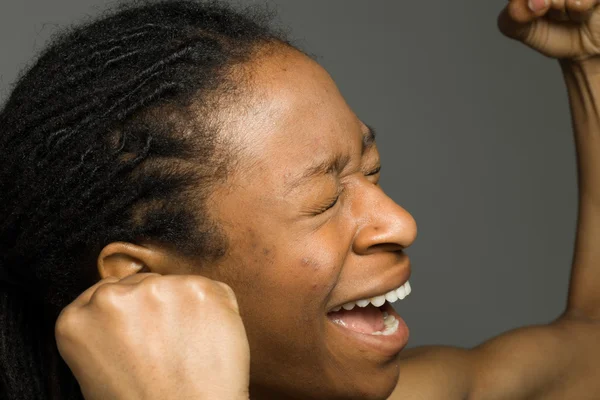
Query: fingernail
{"points": [[538, 5]]}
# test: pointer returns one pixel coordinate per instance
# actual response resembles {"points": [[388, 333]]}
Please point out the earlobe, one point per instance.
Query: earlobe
{"points": [[121, 259]]}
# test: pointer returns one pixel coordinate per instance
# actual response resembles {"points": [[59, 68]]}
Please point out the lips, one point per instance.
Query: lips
{"points": [[387, 342], [368, 318], [368, 315]]}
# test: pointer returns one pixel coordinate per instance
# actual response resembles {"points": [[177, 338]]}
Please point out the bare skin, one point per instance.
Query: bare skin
{"points": [[131, 338], [300, 247], [558, 360]]}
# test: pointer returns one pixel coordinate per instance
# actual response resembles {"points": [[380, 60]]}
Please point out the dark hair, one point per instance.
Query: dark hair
{"points": [[110, 136]]}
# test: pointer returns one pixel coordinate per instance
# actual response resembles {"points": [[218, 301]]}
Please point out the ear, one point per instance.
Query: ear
{"points": [[121, 259]]}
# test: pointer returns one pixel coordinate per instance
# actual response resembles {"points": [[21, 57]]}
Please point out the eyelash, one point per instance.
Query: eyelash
{"points": [[337, 197], [374, 172]]}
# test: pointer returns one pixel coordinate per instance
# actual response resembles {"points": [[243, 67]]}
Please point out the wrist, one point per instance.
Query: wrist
{"points": [[589, 66]]}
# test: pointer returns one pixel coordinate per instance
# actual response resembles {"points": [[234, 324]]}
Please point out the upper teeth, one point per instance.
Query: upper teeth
{"points": [[377, 301]]}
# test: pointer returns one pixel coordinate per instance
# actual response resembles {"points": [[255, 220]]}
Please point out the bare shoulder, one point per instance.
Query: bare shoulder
{"points": [[554, 361], [432, 373]]}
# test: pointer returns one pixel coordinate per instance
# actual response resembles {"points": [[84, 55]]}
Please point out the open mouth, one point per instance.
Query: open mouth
{"points": [[374, 316]]}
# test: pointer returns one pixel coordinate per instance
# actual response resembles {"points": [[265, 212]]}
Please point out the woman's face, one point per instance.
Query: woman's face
{"points": [[309, 229]]}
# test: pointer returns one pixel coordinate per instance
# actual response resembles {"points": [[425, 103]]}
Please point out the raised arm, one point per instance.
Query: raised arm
{"points": [[583, 84], [560, 360]]}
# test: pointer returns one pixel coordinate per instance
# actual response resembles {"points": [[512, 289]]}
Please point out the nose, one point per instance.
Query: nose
{"points": [[382, 224]]}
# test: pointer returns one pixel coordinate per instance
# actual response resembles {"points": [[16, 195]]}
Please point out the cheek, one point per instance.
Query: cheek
{"points": [[283, 276], [303, 272], [316, 260], [320, 273]]}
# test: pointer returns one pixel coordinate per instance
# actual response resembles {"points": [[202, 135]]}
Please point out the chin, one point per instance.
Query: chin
{"points": [[353, 386], [382, 385], [377, 385]]}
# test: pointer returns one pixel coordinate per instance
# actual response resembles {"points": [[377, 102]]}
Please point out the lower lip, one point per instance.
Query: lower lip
{"points": [[389, 345]]}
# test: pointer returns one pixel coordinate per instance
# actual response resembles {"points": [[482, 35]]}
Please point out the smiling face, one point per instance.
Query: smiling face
{"points": [[309, 229]]}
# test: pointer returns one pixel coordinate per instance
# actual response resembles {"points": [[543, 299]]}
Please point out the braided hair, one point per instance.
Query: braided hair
{"points": [[111, 135]]}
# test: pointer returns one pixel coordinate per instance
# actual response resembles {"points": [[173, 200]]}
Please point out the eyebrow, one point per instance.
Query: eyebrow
{"points": [[335, 163]]}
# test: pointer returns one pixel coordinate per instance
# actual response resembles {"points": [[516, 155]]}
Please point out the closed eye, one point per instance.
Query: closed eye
{"points": [[330, 204], [335, 199], [374, 172]]}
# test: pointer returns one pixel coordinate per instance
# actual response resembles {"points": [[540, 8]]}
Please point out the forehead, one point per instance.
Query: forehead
{"points": [[296, 115]]}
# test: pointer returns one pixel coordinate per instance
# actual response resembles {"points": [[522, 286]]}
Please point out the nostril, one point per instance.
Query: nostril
{"points": [[386, 247]]}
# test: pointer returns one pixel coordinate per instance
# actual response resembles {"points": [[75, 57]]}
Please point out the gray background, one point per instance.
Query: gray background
{"points": [[475, 137]]}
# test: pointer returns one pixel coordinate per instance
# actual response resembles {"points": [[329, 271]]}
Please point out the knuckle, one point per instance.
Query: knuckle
{"points": [[107, 295], [197, 282], [66, 321], [156, 287], [228, 290], [580, 5], [206, 289], [152, 282], [198, 286], [229, 296]]}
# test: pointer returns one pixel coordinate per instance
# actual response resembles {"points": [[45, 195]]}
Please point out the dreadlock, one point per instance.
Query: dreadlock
{"points": [[110, 135]]}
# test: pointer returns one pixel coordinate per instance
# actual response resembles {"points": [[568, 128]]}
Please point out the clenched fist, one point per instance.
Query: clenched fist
{"points": [[564, 29], [150, 336]]}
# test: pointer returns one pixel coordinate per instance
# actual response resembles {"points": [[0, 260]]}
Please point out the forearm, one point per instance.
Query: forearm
{"points": [[583, 85]]}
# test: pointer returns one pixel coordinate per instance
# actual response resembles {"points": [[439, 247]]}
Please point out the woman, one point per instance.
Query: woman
{"points": [[207, 188]]}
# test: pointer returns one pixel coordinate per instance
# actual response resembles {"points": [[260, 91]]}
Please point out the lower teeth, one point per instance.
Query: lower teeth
{"points": [[391, 325]]}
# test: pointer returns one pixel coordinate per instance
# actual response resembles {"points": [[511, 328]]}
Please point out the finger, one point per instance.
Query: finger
{"points": [[549, 37], [571, 10], [230, 296], [582, 10], [137, 278], [526, 11], [578, 6], [84, 298], [518, 17], [515, 21], [558, 11]]}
